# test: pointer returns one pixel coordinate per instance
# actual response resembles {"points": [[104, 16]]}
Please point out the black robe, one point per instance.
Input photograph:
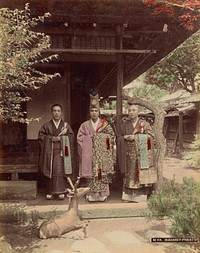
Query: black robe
{"points": [[51, 163], [128, 156]]}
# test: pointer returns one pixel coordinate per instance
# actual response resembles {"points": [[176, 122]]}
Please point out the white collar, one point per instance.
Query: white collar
{"points": [[56, 123], [95, 124], [135, 123]]}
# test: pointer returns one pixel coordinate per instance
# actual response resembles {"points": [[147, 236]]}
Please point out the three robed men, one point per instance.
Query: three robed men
{"points": [[96, 149]]}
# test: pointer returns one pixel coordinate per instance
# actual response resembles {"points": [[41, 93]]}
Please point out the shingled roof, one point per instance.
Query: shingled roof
{"points": [[140, 30]]}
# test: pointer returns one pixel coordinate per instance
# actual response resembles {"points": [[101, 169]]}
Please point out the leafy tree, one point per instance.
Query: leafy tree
{"points": [[190, 10], [21, 49], [148, 92], [180, 68]]}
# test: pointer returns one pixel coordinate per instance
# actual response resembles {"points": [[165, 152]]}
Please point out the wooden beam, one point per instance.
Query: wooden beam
{"points": [[176, 141], [197, 104], [15, 169], [20, 168], [106, 77], [87, 58], [101, 51], [132, 70], [93, 32], [67, 103], [83, 58], [1, 137], [120, 81], [180, 125], [49, 65]]}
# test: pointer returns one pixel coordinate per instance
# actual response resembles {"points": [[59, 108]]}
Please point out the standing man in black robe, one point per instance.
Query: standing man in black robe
{"points": [[136, 156], [57, 153]]}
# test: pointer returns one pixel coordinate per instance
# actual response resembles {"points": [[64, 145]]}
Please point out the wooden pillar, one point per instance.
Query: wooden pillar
{"points": [[1, 140], [67, 95], [180, 132], [198, 118], [120, 73]]}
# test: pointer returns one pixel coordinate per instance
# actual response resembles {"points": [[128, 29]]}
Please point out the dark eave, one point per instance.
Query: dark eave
{"points": [[146, 38]]}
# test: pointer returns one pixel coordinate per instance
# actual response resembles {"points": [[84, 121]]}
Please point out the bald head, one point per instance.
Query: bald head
{"points": [[133, 111]]}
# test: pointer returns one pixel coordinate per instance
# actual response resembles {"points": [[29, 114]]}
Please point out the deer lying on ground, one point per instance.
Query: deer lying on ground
{"points": [[68, 221]]}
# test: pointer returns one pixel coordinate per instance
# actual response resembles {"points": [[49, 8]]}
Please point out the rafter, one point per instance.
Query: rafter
{"points": [[101, 51]]}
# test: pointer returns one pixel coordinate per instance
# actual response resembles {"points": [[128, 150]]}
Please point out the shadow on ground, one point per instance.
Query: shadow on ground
{"points": [[21, 238]]}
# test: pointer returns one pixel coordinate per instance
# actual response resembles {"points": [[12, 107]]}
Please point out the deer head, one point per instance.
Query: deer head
{"points": [[74, 192]]}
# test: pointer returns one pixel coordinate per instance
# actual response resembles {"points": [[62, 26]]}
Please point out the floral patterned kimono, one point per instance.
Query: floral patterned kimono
{"points": [[136, 159], [96, 157]]}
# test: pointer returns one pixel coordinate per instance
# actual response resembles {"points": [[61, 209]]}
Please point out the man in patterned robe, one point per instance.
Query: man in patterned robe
{"points": [[57, 153], [135, 156], [96, 141]]}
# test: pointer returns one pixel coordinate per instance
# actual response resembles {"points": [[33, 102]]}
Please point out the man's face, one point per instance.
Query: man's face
{"points": [[133, 112], [56, 112], [94, 114]]}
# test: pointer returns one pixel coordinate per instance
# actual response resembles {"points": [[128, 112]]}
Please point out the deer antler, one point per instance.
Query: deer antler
{"points": [[77, 182], [71, 184], [70, 191]]}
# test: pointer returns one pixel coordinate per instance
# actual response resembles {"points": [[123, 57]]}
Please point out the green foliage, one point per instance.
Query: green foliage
{"points": [[180, 68], [181, 204], [149, 92], [21, 49], [193, 156]]}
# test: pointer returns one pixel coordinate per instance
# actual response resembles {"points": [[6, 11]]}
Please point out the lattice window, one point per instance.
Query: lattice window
{"points": [[60, 41], [92, 42]]}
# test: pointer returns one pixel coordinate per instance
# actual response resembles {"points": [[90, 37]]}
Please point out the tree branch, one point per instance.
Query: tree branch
{"points": [[178, 5]]}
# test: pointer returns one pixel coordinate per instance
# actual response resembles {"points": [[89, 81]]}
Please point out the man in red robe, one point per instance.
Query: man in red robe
{"points": [[96, 141], [135, 156], [57, 153]]}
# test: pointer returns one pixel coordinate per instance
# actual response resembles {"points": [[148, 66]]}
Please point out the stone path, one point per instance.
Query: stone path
{"points": [[125, 235]]}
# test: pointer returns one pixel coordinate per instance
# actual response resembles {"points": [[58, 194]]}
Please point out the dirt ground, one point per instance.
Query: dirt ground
{"points": [[108, 235], [127, 235], [175, 168]]}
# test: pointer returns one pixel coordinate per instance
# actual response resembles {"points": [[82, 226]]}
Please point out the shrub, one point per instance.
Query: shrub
{"points": [[180, 203]]}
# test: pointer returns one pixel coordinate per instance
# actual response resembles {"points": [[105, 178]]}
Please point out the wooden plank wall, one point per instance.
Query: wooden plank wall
{"points": [[189, 130]]}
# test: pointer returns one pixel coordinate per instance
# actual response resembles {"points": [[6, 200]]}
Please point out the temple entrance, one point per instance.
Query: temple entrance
{"points": [[86, 78]]}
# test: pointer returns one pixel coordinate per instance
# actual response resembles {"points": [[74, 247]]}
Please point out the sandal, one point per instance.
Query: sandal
{"points": [[49, 196], [61, 196]]}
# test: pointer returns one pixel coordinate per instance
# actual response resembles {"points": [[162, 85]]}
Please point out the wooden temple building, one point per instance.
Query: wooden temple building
{"points": [[102, 46]]}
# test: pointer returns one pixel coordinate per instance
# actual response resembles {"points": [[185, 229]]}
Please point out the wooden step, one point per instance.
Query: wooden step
{"points": [[15, 169]]}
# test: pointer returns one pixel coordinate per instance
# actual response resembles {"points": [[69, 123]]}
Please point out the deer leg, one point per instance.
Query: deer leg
{"points": [[78, 225], [84, 228], [49, 229], [83, 225]]}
